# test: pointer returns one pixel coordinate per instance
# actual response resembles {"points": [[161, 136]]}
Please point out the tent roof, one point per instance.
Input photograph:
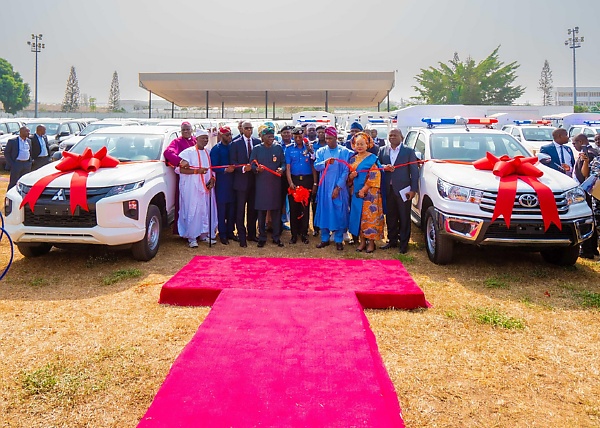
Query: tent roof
{"points": [[285, 89]]}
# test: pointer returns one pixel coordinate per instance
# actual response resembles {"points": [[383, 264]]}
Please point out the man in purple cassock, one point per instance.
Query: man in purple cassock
{"points": [[172, 158]]}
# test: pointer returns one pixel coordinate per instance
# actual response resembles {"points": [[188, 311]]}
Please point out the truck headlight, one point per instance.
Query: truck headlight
{"points": [[124, 188], [459, 193], [576, 195], [22, 188]]}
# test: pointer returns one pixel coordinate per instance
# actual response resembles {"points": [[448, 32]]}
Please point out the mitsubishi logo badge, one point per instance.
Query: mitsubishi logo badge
{"points": [[59, 196], [528, 201]]}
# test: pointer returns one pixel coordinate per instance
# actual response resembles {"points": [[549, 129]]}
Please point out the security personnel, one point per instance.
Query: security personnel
{"points": [[300, 172]]}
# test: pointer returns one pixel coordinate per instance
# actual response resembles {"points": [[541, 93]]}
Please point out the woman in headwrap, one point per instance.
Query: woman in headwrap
{"points": [[366, 206]]}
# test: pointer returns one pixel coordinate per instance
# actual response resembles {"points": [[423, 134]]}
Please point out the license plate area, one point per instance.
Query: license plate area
{"points": [[56, 210], [530, 229]]}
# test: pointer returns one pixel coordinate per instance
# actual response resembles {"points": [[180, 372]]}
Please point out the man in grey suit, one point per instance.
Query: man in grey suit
{"points": [[399, 185], [18, 156], [40, 152]]}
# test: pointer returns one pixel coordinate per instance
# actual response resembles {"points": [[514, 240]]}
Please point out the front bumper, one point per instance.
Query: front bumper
{"points": [[526, 233]]}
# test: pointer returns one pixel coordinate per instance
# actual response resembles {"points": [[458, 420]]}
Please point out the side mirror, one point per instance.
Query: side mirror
{"points": [[544, 158], [64, 134], [57, 156]]}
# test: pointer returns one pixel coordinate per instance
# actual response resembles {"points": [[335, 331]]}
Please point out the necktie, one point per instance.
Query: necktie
{"points": [[249, 147], [562, 155]]}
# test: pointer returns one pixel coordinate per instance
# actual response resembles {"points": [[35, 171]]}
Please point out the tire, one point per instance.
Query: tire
{"points": [[561, 256], [439, 247], [34, 250], [147, 248]]}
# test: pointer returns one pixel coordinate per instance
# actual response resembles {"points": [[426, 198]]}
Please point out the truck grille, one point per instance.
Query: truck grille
{"points": [[517, 230], [56, 213], [488, 203]]}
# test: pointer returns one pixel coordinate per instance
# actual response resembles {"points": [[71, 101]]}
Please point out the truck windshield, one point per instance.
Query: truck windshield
{"points": [[125, 147], [472, 146]]}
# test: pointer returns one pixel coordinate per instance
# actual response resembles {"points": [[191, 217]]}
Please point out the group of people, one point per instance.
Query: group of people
{"points": [[579, 166], [24, 154], [245, 187]]}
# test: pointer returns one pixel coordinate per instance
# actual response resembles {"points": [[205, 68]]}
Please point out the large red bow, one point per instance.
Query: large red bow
{"points": [[81, 165], [510, 170]]}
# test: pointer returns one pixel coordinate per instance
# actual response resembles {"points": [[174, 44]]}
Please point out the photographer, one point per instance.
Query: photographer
{"points": [[581, 171]]}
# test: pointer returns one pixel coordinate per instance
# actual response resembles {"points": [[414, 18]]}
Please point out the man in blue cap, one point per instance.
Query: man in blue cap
{"points": [[355, 128]]}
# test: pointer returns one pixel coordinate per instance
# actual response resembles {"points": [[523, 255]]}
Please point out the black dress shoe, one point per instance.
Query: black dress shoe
{"points": [[233, 238], [243, 245], [323, 244], [339, 246], [224, 241], [305, 239], [261, 244], [587, 256], [388, 246], [403, 250], [294, 240], [278, 243], [253, 239], [315, 233]]}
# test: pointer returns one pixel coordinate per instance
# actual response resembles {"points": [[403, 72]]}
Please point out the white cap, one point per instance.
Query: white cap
{"points": [[200, 132]]}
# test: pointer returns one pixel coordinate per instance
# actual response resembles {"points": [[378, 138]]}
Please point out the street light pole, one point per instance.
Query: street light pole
{"points": [[574, 42], [36, 46]]}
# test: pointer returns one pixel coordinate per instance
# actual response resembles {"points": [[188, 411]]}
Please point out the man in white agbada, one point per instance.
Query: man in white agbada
{"points": [[196, 193]]}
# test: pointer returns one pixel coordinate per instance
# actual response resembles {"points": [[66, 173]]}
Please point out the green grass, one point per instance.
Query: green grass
{"points": [[497, 282], [121, 275], [405, 258], [38, 282], [39, 381], [451, 314], [589, 299], [495, 318]]}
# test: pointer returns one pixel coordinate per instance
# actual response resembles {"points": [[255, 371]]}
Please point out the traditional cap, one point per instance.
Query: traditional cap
{"points": [[311, 125], [224, 130], [286, 128], [356, 125], [200, 132], [267, 131], [321, 127], [297, 131], [330, 130], [186, 124]]}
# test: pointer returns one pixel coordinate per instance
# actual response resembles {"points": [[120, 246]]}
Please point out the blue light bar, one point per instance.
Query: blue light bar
{"points": [[376, 120], [591, 122], [440, 121]]}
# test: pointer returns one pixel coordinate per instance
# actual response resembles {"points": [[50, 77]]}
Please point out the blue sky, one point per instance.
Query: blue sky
{"points": [[132, 36]]}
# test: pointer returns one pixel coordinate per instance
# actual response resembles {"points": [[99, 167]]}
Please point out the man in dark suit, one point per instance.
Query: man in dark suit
{"points": [[399, 185], [561, 155], [243, 184], [219, 156], [18, 156], [40, 152], [379, 142]]}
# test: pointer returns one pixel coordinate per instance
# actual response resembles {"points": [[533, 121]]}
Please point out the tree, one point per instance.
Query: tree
{"points": [[92, 104], [14, 94], [546, 84], [71, 100], [488, 82], [114, 97]]}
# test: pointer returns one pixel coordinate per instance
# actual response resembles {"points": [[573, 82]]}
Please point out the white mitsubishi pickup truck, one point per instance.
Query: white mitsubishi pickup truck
{"points": [[456, 202], [128, 204]]}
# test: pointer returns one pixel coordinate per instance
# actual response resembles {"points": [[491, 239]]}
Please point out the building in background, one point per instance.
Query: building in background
{"points": [[588, 96]]}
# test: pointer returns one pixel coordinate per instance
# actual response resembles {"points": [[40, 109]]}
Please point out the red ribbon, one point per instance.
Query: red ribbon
{"points": [[510, 170], [81, 165], [266, 168]]}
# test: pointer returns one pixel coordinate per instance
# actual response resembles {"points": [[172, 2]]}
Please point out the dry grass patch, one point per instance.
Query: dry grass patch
{"points": [[77, 352]]}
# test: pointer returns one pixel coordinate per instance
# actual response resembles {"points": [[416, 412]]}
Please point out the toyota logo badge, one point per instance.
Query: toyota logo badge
{"points": [[529, 201]]}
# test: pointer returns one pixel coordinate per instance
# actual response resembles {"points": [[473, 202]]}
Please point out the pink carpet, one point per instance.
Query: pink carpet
{"points": [[376, 283], [278, 358]]}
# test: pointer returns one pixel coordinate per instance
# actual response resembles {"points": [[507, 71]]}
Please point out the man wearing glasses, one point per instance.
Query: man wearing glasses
{"points": [[243, 184]]}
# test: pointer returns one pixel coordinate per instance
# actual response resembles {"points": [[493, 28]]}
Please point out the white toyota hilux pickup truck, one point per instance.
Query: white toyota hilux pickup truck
{"points": [[456, 202], [128, 204]]}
